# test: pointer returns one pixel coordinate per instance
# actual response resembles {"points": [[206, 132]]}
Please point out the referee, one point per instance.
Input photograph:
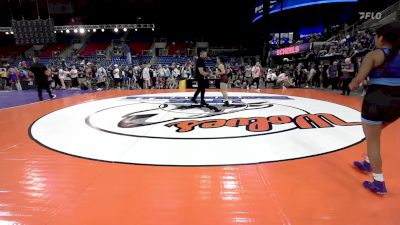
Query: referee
{"points": [[39, 71], [200, 77]]}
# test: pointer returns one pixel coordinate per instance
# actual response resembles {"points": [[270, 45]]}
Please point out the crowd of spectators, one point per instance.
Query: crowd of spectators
{"points": [[90, 76], [332, 65]]}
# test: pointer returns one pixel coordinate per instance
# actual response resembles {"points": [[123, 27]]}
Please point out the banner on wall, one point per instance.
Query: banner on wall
{"points": [[291, 50]]}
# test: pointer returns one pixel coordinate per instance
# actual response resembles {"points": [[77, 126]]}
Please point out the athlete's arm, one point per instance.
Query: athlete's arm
{"points": [[371, 61]]}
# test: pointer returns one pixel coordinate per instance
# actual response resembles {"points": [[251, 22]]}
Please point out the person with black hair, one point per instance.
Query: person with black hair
{"points": [[200, 77], [381, 105], [54, 74], [221, 71], [333, 75]]}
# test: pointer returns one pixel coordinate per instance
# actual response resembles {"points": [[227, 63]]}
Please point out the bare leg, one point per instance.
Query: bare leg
{"points": [[224, 89], [373, 137]]}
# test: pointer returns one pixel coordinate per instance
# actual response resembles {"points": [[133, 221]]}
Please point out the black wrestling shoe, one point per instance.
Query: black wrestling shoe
{"points": [[204, 104], [226, 104], [193, 100]]}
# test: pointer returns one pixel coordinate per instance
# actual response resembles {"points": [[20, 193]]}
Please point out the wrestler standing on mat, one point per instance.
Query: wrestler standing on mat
{"points": [[224, 79], [381, 105]]}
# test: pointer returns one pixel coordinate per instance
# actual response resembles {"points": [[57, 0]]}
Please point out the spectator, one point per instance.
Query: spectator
{"points": [[237, 83], [74, 77], [322, 74], [62, 76], [56, 78], [67, 78], [245, 85], [271, 77], [81, 77], [256, 74], [171, 84], [248, 74], [117, 77], [153, 76], [186, 72], [283, 81], [89, 74], [348, 74], [13, 74], [310, 77], [3, 78], [146, 77], [167, 71], [333, 75], [176, 73], [128, 77], [101, 75]]}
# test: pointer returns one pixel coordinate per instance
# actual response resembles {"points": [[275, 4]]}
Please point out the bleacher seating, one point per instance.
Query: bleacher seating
{"points": [[146, 59], [91, 48], [48, 50], [135, 61], [7, 51], [46, 61], [178, 48], [119, 61], [138, 47], [168, 60], [211, 62], [95, 58]]}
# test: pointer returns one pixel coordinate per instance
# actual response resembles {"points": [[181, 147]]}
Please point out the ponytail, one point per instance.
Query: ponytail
{"points": [[394, 51], [391, 34]]}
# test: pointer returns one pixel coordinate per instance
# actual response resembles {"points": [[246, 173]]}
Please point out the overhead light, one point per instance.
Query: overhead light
{"points": [[116, 29], [94, 30], [125, 29], [88, 30], [67, 31], [7, 33], [55, 32], [11, 32], [102, 30], [75, 30], [81, 30], [135, 29], [62, 31], [152, 29]]}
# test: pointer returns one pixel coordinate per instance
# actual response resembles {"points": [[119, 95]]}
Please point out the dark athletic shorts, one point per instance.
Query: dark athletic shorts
{"points": [[381, 104]]}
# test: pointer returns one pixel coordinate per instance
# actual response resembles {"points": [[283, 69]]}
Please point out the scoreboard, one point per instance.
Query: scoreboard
{"points": [[291, 4]]}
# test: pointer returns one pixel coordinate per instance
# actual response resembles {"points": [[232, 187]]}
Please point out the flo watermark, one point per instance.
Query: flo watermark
{"points": [[370, 15]]}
